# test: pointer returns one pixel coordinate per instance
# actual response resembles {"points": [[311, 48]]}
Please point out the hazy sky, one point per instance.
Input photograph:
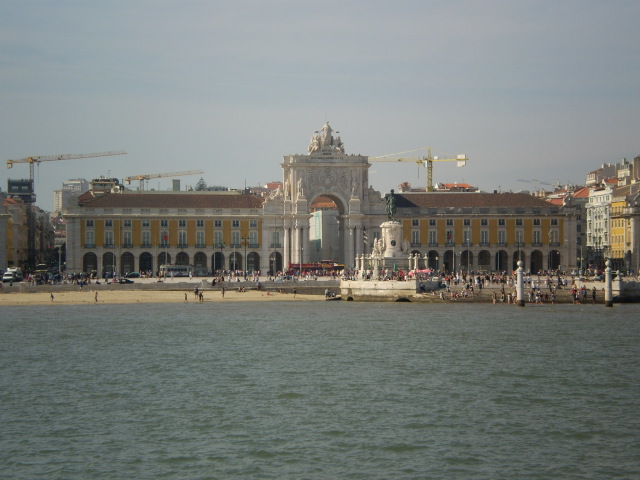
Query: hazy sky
{"points": [[545, 90]]}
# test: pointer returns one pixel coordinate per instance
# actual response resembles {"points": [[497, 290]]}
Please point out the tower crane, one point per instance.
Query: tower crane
{"points": [[540, 183], [148, 176], [36, 160], [426, 161]]}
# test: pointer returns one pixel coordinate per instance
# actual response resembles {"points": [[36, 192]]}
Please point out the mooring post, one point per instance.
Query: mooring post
{"points": [[608, 285], [520, 284]]}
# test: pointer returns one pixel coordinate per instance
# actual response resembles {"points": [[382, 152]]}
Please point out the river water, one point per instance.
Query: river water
{"points": [[320, 390]]}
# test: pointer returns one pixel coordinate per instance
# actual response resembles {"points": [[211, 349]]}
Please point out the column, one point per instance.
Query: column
{"points": [[359, 240], [349, 242], [297, 244], [286, 246], [304, 231]]}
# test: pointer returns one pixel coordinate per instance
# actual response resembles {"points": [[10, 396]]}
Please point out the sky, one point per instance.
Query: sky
{"points": [[528, 90]]}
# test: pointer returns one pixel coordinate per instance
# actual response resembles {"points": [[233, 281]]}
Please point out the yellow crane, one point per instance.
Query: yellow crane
{"points": [[148, 176], [426, 161], [38, 159]]}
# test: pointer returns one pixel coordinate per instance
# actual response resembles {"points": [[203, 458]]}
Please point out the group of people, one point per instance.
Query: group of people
{"points": [[197, 293]]}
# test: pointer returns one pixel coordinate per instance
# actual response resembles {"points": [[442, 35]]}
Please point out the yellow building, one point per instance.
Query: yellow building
{"points": [[625, 228], [123, 231], [127, 232], [487, 231]]}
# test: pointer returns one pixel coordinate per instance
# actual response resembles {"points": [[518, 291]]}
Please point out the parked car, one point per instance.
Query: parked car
{"points": [[284, 278], [125, 280]]}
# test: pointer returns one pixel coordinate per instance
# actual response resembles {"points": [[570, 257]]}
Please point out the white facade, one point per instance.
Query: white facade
{"points": [[598, 220], [326, 170], [71, 189]]}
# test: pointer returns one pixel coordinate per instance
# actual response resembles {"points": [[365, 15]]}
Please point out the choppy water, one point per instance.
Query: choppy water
{"points": [[320, 390]]}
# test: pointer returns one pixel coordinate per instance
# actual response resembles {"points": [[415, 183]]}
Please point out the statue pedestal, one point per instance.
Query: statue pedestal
{"points": [[392, 236]]}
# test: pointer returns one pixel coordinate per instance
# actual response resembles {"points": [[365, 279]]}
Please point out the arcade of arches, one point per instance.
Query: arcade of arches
{"points": [[203, 265]]}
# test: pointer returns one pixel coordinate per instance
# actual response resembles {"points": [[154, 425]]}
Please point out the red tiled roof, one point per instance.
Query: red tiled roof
{"points": [[323, 202], [12, 201], [459, 200], [171, 200], [581, 193], [273, 185]]}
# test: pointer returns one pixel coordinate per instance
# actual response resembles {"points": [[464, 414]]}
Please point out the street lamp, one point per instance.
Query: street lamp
{"points": [[468, 253], [234, 258], [276, 242], [221, 265], [246, 263]]}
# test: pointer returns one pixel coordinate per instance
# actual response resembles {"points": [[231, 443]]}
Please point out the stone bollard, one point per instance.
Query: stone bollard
{"points": [[520, 284], [608, 285]]}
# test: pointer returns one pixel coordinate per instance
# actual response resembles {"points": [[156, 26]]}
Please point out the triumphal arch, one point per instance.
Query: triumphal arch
{"points": [[325, 172]]}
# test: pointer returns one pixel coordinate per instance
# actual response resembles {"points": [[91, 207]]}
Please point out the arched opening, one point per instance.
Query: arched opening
{"points": [[217, 262], [517, 256], [433, 260], [448, 261], [164, 259], [253, 262], [200, 263], [466, 260], [627, 261], [90, 263], [182, 258], [501, 260], [127, 263], [325, 230], [146, 262], [108, 264], [536, 261], [275, 263], [484, 260], [554, 260], [235, 261]]}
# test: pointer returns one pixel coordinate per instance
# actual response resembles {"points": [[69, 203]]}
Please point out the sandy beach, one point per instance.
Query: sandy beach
{"points": [[88, 296]]}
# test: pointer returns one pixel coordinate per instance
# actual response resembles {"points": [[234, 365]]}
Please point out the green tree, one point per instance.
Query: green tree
{"points": [[201, 186]]}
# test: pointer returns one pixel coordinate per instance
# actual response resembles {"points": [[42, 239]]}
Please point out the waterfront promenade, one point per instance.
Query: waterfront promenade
{"points": [[174, 291]]}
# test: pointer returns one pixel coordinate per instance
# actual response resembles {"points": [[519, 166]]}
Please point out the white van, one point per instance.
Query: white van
{"points": [[8, 276], [13, 274]]}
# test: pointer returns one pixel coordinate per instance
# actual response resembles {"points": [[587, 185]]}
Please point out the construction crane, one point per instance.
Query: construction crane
{"points": [[540, 183], [426, 161], [37, 160], [148, 176]]}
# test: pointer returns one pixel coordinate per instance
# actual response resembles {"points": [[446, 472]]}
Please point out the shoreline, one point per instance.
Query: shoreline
{"points": [[87, 296], [148, 291], [119, 297]]}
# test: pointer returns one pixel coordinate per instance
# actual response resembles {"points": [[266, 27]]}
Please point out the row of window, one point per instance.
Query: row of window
{"points": [[483, 222], [484, 237], [181, 223], [236, 239]]}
